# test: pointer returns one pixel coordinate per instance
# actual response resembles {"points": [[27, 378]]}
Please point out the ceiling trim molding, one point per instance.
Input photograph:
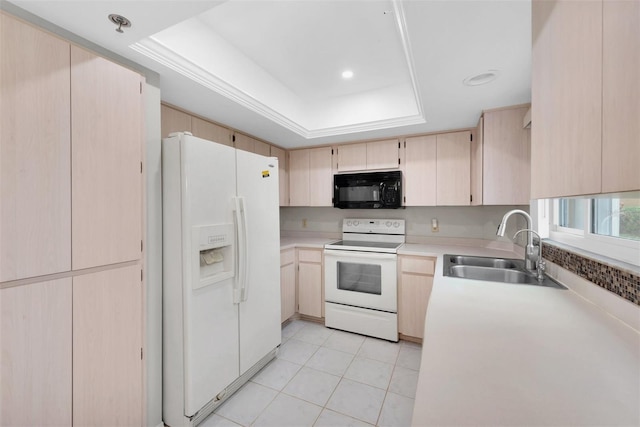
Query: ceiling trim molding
{"points": [[160, 53], [401, 22]]}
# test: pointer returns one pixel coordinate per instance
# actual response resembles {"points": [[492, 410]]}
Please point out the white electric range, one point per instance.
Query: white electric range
{"points": [[360, 277]]}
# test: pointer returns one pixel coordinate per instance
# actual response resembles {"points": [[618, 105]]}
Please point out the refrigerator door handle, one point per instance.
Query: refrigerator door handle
{"points": [[242, 289]]}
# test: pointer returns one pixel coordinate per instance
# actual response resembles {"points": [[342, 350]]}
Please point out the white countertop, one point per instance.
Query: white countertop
{"points": [[504, 354], [513, 355], [304, 242]]}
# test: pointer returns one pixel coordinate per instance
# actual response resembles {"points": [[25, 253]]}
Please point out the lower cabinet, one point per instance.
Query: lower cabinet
{"points": [[415, 281], [35, 368], [72, 351], [310, 283], [287, 283], [107, 348]]}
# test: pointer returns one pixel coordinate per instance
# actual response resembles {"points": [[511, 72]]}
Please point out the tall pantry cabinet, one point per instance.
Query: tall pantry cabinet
{"points": [[70, 234]]}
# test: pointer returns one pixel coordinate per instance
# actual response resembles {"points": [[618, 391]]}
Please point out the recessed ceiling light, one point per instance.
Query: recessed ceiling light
{"points": [[481, 78], [347, 74]]}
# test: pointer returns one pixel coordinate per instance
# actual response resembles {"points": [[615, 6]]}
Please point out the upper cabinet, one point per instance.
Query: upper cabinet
{"points": [[369, 155], [106, 134], [506, 157], [620, 96], [35, 152], [453, 169], [585, 63], [310, 177], [246, 143], [283, 174], [419, 171], [173, 120], [210, 131]]}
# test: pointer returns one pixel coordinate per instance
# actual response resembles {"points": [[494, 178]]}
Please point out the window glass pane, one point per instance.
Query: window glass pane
{"points": [[616, 217], [571, 213]]}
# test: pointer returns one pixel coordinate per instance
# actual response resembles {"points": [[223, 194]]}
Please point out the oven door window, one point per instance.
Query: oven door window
{"points": [[363, 278]]}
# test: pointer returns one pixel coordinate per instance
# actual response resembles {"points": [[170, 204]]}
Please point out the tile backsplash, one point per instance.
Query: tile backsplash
{"points": [[621, 281]]}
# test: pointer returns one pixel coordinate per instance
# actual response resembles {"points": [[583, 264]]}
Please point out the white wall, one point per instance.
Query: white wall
{"points": [[475, 222]]}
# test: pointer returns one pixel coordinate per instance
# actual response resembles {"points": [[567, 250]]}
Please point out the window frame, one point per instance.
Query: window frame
{"points": [[625, 250]]}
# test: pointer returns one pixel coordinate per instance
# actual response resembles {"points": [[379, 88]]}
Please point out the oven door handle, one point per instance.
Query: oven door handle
{"points": [[358, 254]]}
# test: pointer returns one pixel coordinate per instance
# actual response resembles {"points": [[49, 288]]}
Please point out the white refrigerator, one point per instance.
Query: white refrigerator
{"points": [[221, 273]]}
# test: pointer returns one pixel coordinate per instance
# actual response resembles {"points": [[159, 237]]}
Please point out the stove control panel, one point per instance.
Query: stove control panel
{"points": [[373, 226]]}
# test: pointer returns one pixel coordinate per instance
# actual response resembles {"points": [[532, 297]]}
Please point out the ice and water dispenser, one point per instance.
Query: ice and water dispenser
{"points": [[214, 253]]}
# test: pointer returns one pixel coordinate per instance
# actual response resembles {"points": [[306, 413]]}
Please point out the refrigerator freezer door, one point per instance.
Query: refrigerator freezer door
{"points": [[257, 183], [210, 316]]}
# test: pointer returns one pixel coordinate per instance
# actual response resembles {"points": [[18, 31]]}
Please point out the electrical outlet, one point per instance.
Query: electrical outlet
{"points": [[434, 225], [304, 223]]}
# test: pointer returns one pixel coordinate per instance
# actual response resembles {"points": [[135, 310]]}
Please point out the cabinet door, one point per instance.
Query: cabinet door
{"points": [[210, 131], [262, 148], [35, 144], [383, 154], [566, 98], [320, 177], [476, 163], [352, 157], [453, 166], [507, 158], [288, 290], [310, 289], [107, 348], [420, 171], [414, 291], [106, 161], [283, 174], [620, 96], [243, 142], [173, 120], [35, 374], [299, 178]]}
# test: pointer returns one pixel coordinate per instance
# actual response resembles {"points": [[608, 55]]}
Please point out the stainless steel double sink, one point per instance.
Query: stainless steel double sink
{"points": [[504, 270]]}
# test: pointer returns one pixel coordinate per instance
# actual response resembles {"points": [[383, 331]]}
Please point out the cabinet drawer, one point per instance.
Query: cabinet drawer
{"points": [[287, 257], [309, 255], [418, 265]]}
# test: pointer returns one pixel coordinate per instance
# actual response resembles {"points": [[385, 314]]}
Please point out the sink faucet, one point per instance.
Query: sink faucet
{"points": [[540, 264], [530, 255]]}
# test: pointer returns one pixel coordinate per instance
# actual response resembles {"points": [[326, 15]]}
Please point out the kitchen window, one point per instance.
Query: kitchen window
{"points": [[608, 225]]}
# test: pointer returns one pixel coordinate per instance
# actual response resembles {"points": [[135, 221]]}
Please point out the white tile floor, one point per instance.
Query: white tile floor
{"points": [[324, 377]]}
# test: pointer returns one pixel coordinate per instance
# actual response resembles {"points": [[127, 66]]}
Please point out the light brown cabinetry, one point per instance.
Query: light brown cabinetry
{"points": [[107, 345], [283, 174], [352, 157], [35, 150], [173, 120], [369, 155], [310, 177], [246, 143], [35, 373], [415, 281], [419, 171], [453, 169], [287, 283], [83, 164], [585, 63], [106, 107], [506, 157], [476, 163], [620, 96], [210, 131], [310, 292]]}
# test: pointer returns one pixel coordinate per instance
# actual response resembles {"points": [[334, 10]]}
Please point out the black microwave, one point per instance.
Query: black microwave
{"points": [[368, 190]]}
